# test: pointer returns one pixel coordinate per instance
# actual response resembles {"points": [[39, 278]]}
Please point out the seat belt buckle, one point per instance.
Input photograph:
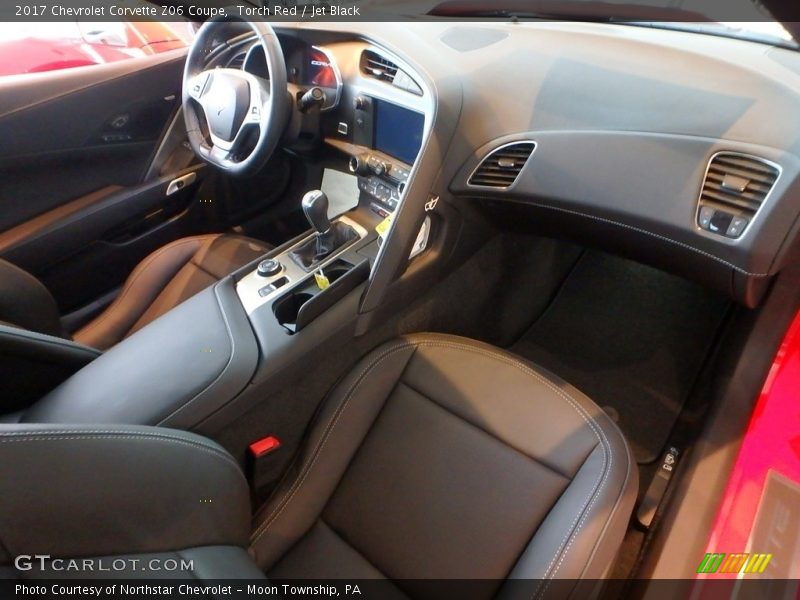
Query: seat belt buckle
{"points": [[263, 465]]}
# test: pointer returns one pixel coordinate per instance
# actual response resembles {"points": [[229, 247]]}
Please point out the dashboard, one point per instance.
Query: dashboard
{"points": [[633, 147], [375, 113]]}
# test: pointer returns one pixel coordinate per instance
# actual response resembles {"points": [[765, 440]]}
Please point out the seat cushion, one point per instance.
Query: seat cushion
{"points": [[440, 457], [166, 278]]}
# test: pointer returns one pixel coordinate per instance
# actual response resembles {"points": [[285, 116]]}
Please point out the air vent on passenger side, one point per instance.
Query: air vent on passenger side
{"points": [[735, 187], [374, 65], [502, 166]]}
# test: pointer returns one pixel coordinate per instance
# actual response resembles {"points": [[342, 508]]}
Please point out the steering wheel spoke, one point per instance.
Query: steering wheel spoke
{"points": [[219, 156], [196, 85]]}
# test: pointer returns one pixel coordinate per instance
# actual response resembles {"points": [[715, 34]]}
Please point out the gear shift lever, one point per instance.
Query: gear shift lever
{"points": [[315, 207], [328, 238]]}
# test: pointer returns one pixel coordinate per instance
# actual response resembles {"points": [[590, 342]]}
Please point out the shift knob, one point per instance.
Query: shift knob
{"points": [[315, 207]]}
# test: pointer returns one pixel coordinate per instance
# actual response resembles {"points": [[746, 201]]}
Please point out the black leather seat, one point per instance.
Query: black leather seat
{"points": [[143, 493], [160, 282], [441, 457], [436, 457]]}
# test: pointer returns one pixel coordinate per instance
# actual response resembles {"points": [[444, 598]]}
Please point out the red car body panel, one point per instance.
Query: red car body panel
{"points": [[762, 494], [35, 54]]}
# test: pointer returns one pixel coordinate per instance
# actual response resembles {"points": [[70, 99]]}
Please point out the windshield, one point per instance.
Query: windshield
{"points": [[746, 19]]}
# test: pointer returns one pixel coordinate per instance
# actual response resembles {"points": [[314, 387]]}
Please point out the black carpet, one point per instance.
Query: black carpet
{"points": [[630, 337]]}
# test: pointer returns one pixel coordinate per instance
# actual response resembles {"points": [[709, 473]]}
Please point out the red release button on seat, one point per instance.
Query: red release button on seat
{"points": [[264, 446]]}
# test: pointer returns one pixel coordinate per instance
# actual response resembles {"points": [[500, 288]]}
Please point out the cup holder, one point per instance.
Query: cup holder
{"points": [[336, 272], [287, 309], [297, 308]]}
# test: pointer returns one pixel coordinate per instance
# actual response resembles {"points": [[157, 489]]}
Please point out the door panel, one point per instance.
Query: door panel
{"points": [[99, 135], [87, 246], [81, 202]]}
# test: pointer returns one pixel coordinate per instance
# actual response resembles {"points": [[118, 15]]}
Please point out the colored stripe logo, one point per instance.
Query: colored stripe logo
{"points": [[734, 563]]}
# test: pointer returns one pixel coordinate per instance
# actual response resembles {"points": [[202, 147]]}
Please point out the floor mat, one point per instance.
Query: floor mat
{"points": [[630, 337]]}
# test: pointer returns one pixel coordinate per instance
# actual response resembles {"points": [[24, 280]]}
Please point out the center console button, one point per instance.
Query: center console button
{"points": [[269, 267]]}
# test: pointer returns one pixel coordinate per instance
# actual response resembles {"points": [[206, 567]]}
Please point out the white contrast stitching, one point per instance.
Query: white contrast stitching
{"points": [[656, 235], [326, 434], [28, 436]]}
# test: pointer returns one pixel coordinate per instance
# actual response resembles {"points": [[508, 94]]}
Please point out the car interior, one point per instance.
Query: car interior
{"points": [[332, 300]]}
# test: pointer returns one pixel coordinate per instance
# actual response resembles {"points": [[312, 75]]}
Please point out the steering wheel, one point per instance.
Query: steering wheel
{"points": [[235, 120]]}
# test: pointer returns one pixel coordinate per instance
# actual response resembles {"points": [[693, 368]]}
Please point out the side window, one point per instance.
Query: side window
{"points": [[35, 47]]}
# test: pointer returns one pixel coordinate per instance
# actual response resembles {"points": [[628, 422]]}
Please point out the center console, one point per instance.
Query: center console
{"points": [[284, 275], [393, 134]]}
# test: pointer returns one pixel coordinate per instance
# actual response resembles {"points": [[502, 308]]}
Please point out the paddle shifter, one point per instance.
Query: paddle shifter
{"points": [[328, 237]]}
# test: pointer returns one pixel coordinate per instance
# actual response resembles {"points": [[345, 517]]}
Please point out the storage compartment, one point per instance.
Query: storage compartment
{"points": [[288, 307], [300, 306]]}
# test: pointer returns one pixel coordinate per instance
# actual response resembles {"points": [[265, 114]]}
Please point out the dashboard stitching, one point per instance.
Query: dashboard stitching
{"points": [[656, 235]]}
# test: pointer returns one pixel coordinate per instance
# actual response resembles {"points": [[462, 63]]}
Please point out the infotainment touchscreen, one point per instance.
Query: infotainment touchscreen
{"points": [[398, 131]]}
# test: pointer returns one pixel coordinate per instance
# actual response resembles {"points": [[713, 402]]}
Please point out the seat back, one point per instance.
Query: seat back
{"points": [[25, 302]]}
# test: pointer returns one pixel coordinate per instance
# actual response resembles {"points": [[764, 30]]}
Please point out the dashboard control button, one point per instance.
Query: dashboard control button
{"points": [[705, 216], [269, 267], [737, 226], [720, 222], [379, 210]]}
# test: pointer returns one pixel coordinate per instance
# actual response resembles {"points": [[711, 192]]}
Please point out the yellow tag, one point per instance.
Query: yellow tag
{"points": [[384, 225], [322, 280]]}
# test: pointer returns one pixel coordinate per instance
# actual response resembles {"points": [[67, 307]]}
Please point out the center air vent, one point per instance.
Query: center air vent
{"points": [[502, 167], [374, 65], [735, 187]]}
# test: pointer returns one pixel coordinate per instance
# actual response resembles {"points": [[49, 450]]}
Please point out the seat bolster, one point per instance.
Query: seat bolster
{"points": [[141, 288], [25, 302], [344, 420], [582, 532], [222, 562], [114, 490]]}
